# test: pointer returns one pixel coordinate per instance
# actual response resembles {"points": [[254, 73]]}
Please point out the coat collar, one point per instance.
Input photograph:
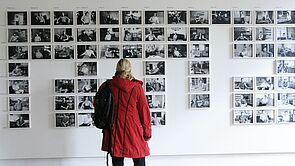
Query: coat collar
{"points": [[125, 84]]}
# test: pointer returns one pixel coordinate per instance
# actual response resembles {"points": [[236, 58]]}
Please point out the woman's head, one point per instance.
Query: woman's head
{"points": [[123, 69]]}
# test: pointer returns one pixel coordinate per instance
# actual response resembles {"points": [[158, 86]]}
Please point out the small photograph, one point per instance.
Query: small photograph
{"points": [[109, 34], [86, 51], [132, 34], [264, 17], [19, 103], [40, 18], [199, 51], [154, 17], [286, 17], [18, 53], [199, 17], [63, 52], [65, 120], [286, 116], [41, 52], [199, 34], [243, 116], [64, 86], [156, 101], [63, 18], [199, 84], [285, 66], [265, 50], [264, 34], [109, 17], [87, 85], [154, 51], [243, 83], [158, 118], [63, 35], [264, 83], [19, 121], [41, 35], [132, 51], [85, 103], [242, 100], [86, 17], [155, 84], [154, 34], [64, 103], [17, 18], [18, 69], [132, 17], [17, 35], [265, 116], [286, 99], [154, 68], [242, 33], [242, 17], [177, 16], [86, 120], [265, 99], [109, 51], [286, 83], [199, 67], [87, 68], [199, 101], [86, 34], [18, 87], [177, 51], [285, 49], [285, 33], [243, 51], [221, 17], [176, 34]]}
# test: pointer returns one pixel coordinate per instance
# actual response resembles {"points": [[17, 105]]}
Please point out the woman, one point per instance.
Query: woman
{"points": [[132, 120]]}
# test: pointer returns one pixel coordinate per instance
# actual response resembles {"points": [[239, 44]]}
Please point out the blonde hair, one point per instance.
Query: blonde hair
{"points": [[123, 69]]}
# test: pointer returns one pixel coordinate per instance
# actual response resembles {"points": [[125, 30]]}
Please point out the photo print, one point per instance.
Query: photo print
{"points": [[40, 35], [285, 49], [40, 18], [156, 101], [18, 53], [243, 116], [41, 52], [286, 17], [86, 34], [199, 84], [132, 34], [158, 118], [199, 101], [199, 34], [199, 17], [242, 17], [63, 103], [87, 85], [63, 51], [109, 34], [154, 34], [221, 17], [132, 17], [63, 35], [264, 34], [177, 50], [19, 103], [243, 34], [154, 51], [19, 121], [86, 17], [243, 83], [154, 67], [65, 120], [85, 103], [109, 17], [18, 69], [265, 99], [264, 17], [17, 35], [264, 83], [86, 68], [243, 51], [155, 84], [285, 66], [18, 87], [132, 51], [265, 116], [64, 86], [86, 120], [154, 17], [286, 116], [63, 18], [17, 18], [86, 51], [286, 83], [285, 33], [286, 99], [243, 100], [109, 51], [199, 67], [177, 16], [177, 34], [265, 50], [199, 51]]}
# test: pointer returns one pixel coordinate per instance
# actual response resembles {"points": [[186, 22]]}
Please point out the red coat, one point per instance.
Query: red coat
{"points": [[131, 128]]}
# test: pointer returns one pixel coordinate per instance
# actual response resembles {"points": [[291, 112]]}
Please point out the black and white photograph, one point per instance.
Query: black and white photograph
{"points": [[285, 33], [243, 116], [18, 53], [286, 83], [18, 69], [285, 17], [65, 120], [158, 118], [17, 35], [264, 17], [285, 66], [41, 52], [199, 101], [63, 35], [285, 49], [221, 17], [109, 34], [64, 86], [154, 67], [19, 103], [132, 34], [154, 34], [154, 17], [199, 51], [132, 17], [265, 99], [87, 85], [64, 51], [199, 34], [156, 101], [264, 83], [286, 99], [243, 34], [86, 120], [286, 116], [199, 84], [199, 67], [63, 18], [177, 34], [86, 34], [86, 51], [109, 17], [177, 16], [41, 35], [265, 116], [155, 84], [109, 51], [154, 51], [86, 68], [17, 18], [243, 51], [132, 51], [242, 100], [18, 87], [40, 18], [243, 83], [242, 17], [264, 34], [86, 17], [85, 103], [64, 103], [199, 17], [264, 50], [19, 121], [177, 50]]}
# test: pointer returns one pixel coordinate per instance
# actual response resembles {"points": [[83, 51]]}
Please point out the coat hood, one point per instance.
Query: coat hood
{"points": [[125, 84]]}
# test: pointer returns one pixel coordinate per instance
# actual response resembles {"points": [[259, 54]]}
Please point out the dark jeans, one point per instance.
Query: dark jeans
{"points": [[119, 161]]}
